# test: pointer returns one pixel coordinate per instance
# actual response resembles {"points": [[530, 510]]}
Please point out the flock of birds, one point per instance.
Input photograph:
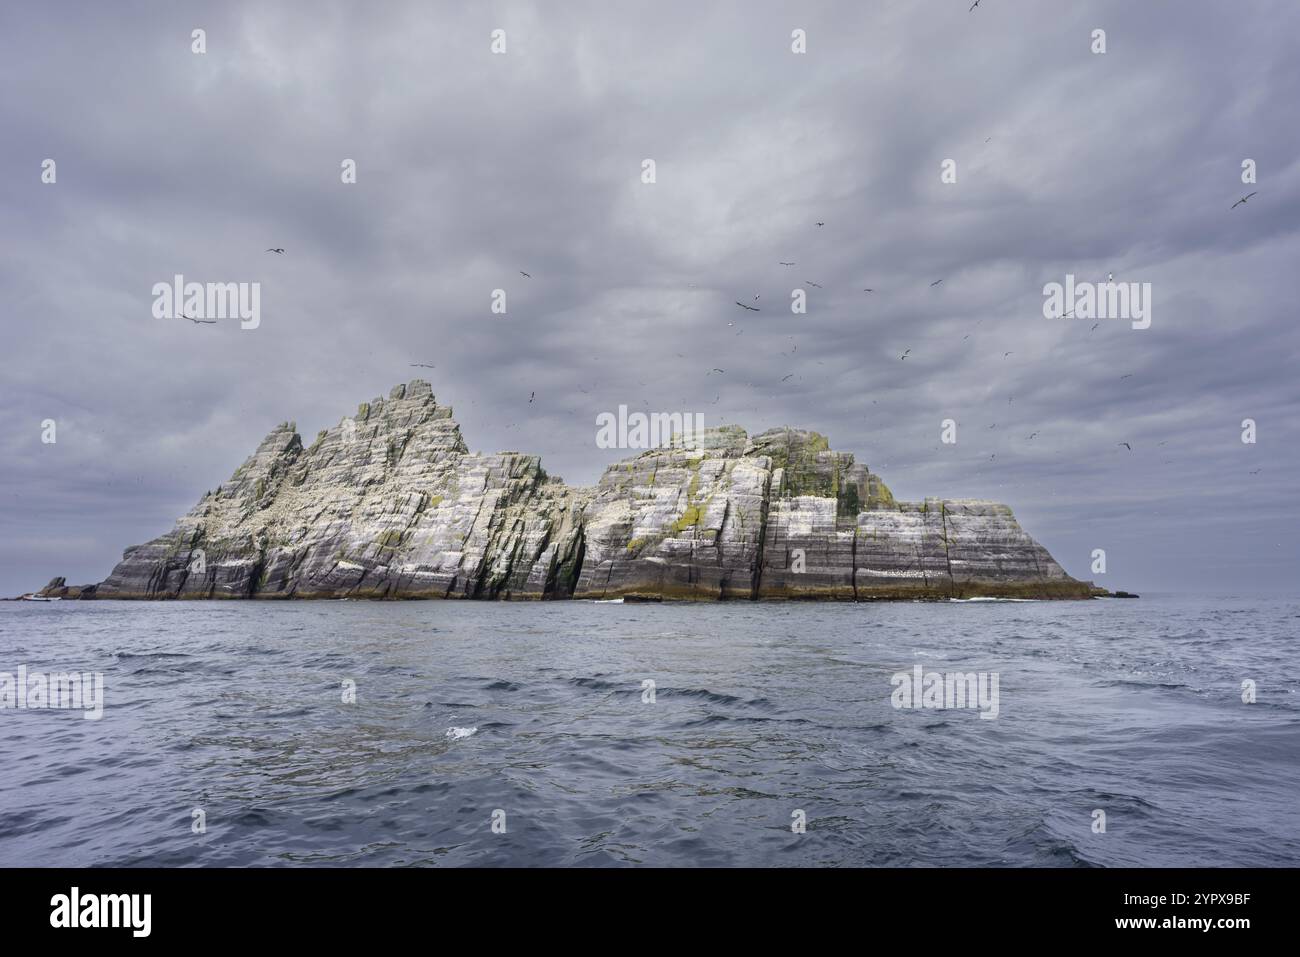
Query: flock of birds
{"points": [[280, 251], [870, 289]]}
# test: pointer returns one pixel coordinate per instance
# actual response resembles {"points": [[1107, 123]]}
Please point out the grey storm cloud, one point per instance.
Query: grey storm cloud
{"points": [[473, 167]]}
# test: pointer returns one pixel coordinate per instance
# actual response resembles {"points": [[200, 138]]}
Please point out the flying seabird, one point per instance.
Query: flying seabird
{"points": [[1126, 445], [279, 250], [750, 308], [1242, 200], [811, 283], [524, 274], [936, 282]]}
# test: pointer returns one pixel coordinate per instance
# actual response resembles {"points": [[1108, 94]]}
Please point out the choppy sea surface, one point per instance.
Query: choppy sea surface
{"points": [[536, 716]]}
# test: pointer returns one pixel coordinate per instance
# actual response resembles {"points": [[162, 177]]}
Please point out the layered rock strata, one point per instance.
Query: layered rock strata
{"points": [[391, 503]]}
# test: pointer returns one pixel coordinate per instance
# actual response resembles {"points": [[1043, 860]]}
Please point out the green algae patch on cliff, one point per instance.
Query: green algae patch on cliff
{"points": [[690, 519]]}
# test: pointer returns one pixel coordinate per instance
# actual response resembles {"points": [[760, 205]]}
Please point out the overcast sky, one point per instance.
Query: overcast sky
{"points": [[473, 166]]}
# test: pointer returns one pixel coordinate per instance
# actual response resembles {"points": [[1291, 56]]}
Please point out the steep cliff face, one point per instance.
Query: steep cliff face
{"points": [[390, 503]]}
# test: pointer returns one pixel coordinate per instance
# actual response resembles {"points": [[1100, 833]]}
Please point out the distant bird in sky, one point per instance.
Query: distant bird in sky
{"points": [[783, 378], [279, 250], [905, 354], [813, 284], [1032, 434], [719, 370], [201, 322], [1242, 200], [1126, 445], [524, 274], [422, 365], [787, 264], [971, 10], [868, 290], [1254, 471], [1094, 327], [750, 308], [1005, 354], [531, 396], [1129, 376], [821, 224], [936, 282]]}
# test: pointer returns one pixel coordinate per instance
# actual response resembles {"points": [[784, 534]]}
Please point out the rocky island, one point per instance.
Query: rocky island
{"points": [[390, 503]]}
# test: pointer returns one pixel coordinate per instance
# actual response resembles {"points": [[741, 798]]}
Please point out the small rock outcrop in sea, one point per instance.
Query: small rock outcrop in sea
{"points": [[59, 588], [390, 503]]}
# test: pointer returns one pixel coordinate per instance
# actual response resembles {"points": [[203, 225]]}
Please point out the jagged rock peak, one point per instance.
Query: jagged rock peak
{"points": [[390, 503]]}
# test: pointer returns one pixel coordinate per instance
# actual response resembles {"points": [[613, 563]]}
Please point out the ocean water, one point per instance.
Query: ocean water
{"points": [[536, 715]]}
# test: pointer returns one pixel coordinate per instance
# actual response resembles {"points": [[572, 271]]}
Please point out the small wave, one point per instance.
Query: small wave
{"points": [[456, 734], [595, 683], [1139, 683], [704, 693]]}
